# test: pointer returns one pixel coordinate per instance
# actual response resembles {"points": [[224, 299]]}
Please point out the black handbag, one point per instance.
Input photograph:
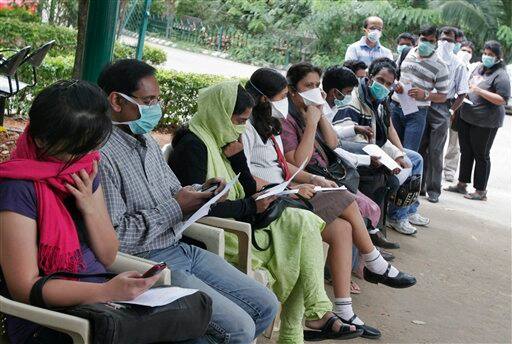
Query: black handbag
{"points": [[338, 169], [127, 323], [261, 221]]}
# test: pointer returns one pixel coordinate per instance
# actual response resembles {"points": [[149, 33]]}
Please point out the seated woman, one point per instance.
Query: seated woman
{"points": [[52, 209], [294, 258], [263, 150], [370, 106]]}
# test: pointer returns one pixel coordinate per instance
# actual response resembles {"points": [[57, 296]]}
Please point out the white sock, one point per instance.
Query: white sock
{"points": [[343, 309], [376, 264]]}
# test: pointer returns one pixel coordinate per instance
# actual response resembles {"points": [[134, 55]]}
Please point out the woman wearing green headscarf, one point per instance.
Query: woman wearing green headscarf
{"points": [[294, 260]]}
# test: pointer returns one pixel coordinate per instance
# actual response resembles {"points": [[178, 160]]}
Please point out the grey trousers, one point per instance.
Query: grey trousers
{"points": [[452, 156], [432, 145]]}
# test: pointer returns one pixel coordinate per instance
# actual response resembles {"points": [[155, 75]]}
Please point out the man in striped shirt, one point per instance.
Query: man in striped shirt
{"points": [[429, 78]]}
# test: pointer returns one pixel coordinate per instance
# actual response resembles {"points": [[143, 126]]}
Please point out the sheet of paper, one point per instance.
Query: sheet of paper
{"points": [[205, 209], [317, 189], [404, 174], [465, 100], [374, 150], [160, 296], [407, 102], [275, 190]]}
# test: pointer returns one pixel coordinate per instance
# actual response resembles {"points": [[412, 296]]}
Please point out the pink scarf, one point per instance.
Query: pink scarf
{"points": [[59, 248]]}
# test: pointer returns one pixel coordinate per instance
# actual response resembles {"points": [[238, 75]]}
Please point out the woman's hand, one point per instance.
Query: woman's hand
{"points": [[312, 115], [233, 148], [403, 164], [127, 285], [375, 161], [262, 204], [306, 190], [82, 191], [323, 182]]}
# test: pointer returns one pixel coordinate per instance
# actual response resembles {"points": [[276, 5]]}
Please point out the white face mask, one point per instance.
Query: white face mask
{"points": [[445, 51], [312, 97], [464, 56], [374, 35], [280, 108]]}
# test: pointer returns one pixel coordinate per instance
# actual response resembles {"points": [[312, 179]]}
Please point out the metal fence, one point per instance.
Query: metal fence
{"points": [[282, 50]]}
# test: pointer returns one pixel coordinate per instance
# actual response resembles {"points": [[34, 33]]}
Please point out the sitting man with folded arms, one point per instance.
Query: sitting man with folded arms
{"points": [[147, 205]]}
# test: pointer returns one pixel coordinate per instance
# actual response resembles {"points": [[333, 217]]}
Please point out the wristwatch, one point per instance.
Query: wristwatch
{"points": [[427, 94], [451, 111]]}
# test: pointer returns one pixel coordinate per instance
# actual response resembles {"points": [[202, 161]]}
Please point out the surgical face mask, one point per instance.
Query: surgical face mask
{"points": [[378, 90], [149, 117], [464, 56], [280, 108], [347, 98], [445, 51], [312, 97], [488, 61], [374, 35], [426, 49], [400, 48], [457, 47]]}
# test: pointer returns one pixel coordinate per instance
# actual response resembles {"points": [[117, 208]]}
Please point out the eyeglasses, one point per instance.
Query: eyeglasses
{"points": [[148, 100]]}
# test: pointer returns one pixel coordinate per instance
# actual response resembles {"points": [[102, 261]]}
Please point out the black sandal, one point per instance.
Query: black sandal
{"points": [[368, 331], [326, 332]]}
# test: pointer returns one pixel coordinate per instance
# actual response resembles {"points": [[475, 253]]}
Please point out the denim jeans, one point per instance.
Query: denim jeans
{"points": [[242, 308], [400, 213], [409, 127]]}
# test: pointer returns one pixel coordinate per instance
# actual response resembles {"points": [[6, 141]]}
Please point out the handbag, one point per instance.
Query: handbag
{"points": [[338, 169], [128, 323], [260, 222]]}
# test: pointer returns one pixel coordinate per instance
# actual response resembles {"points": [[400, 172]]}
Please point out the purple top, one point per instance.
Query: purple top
{"points": [[19, 196], [291, 139]]}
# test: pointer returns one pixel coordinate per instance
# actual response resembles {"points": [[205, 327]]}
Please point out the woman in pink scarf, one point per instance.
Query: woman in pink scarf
{"points": [[52, 213]]}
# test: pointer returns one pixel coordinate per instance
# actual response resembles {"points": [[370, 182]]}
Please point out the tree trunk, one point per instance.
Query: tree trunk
{"points": [[53, 7], [123, 7], [83, 9]]}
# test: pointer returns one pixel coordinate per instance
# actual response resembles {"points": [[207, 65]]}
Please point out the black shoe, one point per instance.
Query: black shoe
{"points": [[433, 198], [389, 257], [378, 239], [368, 331], [402, 280]]}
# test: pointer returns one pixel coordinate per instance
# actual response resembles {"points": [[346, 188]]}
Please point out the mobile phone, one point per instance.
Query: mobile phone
{"points": [[154, 270], [211, 188]]}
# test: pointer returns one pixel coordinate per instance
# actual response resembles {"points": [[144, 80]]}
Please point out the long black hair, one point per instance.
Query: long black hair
{"points": [[70, 117], [265, 82], [496, 48]]}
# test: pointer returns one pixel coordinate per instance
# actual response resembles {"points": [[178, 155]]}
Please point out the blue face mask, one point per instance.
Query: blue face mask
{"points": [[457, 47], [378, 91], [488, 61], [149, 117], [347, 98], [426, 49], [401, 48]]}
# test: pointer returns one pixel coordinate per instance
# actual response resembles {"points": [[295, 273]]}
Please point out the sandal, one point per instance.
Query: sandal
{"points": [[477, 196], [327, 332], [354, 288], [368, 331], [457, 189]]}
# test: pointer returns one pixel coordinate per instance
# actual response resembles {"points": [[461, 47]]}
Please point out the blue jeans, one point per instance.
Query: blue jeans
{"points": [[400, 213], [242, 308], [409, 128]]}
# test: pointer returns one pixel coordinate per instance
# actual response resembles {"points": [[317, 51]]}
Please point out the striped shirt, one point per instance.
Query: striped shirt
{"points": [[361, 51], [262, 157], [427, 73], [139, 190]]}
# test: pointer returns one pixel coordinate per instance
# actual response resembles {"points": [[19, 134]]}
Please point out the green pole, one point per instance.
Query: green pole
{"points": [[143, 28], [99, 37]]}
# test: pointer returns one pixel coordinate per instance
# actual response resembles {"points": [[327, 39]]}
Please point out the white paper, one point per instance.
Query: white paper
{"points": [[407, 102], [160, 296], [465, 100], [275, 190], [316, 188], [404, 174], [205, 209], [374, 150]]}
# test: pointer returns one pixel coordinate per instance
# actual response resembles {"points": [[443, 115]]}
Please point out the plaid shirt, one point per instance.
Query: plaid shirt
{"points": [[139, 190]]}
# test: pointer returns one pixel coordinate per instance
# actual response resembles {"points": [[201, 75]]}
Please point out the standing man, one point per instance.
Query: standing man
{"points": [[424, 71], [439, 114], [368, 48], [405, 39], [451, 159]]}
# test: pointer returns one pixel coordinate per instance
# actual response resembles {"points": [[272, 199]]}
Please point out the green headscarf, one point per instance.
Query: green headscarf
{"points": [[212, 124]]}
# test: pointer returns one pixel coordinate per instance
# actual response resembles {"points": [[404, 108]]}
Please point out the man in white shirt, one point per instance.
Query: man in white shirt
{"points": [[368, 48]]}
